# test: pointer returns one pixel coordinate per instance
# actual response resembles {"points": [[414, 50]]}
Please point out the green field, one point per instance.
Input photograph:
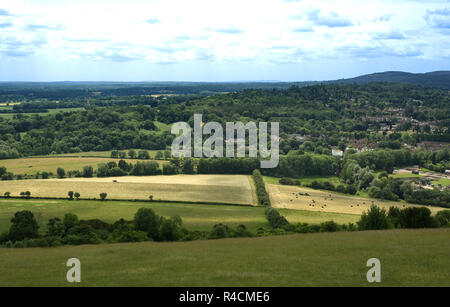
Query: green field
{"points": [[408, 258], [195, 216]]}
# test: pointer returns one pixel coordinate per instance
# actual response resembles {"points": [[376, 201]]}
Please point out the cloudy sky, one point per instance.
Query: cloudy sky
{"points": [[220, 40]]}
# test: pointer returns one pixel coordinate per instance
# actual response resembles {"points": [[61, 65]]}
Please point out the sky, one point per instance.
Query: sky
{"points": [[220, 40]]}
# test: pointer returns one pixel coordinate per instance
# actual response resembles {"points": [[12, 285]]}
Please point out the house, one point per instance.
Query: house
{"points": [[447, 172], [337, 152]]}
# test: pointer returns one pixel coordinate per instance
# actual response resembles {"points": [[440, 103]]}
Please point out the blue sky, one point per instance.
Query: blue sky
{"points": [[220, 40]]}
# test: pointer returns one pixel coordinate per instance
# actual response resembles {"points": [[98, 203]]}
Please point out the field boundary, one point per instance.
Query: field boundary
{"points": [[133, 200]]}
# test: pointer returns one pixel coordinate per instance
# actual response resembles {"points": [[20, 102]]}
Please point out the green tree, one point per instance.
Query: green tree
{"points": [[23, 226], [374, 218], [103, 196], [146, 220], [61, 172], [77, 195], [132, 154], [70, 194]]}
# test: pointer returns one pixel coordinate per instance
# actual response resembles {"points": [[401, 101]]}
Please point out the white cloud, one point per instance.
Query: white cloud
{"points": [[254, 31]]}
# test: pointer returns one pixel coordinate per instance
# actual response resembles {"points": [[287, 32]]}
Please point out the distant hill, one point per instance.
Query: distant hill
{"points": [[431, 79]]}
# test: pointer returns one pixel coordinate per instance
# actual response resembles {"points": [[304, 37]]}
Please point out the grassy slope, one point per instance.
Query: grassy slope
{"points": [[195, 217], [408, 258]]}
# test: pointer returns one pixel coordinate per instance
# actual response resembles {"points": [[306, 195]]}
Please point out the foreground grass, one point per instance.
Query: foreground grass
{"points": [[408, 258], [195, 216]]}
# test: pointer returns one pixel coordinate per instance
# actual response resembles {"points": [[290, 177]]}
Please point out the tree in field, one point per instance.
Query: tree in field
{"points": [[77, 195], [7, 194], [45, 175], [132, 154], [88, 171], [22, 194], [24, 226], [151, 197], [114, 154], [143, 154], [27, 194], [70, 194], [103, 196], [146, 220], [61, 172]]}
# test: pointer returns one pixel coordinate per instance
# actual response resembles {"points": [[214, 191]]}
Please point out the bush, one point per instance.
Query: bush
{"points": [[220, 231], [81, 234], [170, 229], [276, 220], [127, 233], [443, 218], [289, 181], [70, 220], [103, 196], [329, 226], [374, 218], [4, 237]]}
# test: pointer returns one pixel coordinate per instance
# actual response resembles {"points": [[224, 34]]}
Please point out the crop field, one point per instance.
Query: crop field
{"points": [[195, 216], [236, 189], [32, 166], [283, 196], [408, 258]]}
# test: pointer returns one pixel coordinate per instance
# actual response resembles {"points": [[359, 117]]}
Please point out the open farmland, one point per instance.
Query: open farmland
{"points": [[195, 216], [236, 189], [408, 257], [325, 201], [32, 166]]}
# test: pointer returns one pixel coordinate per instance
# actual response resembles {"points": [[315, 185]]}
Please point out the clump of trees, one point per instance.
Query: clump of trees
{"points": [[409, 217]]}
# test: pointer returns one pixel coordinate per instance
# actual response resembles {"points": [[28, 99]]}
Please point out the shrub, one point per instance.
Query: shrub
{"points": [[103, 196], [443, 218], [374, 218], [81, 234], [289, 181], [329, 226], [70, 220], [170, 229], [276, 220], [126, 233], [220, 231], [55, 227]]}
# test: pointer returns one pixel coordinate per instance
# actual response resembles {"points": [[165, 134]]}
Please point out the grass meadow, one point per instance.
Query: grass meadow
{"points": [[408, 258]]}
